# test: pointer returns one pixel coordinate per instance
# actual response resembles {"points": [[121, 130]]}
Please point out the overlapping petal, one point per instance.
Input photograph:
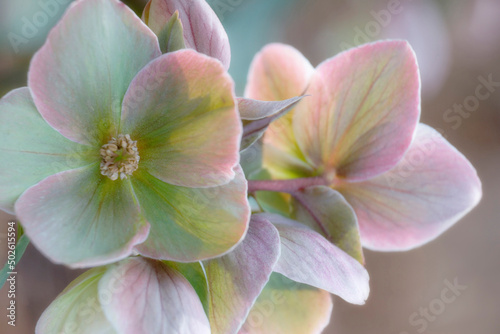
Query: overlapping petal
{"points": [[236, 279], [144, 296], [77, 309], [79, 77], [30, 150], [307, 257], [258, 115], [194, 272], [288, 307], [202, 29], [427, 192], [327, 212], [363, 110], [80, 218], [280, 72], [191, 224], [182, 111]]}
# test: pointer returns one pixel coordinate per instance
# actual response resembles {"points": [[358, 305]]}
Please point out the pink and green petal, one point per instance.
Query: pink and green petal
{"points": [[307, 257], [191, 224], [194, 272], [425, 194], [258, 115], [236, 279], [203, 31], [77, 309], [364, 109], [327, 212], [253, 110], [288, 307], [280, 72], [80, 218], [144, 296], [79, 77], [182, 111], [30, 150]]}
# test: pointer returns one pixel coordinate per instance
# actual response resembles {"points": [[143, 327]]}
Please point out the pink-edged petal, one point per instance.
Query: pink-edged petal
{"points": [[30, 150], [203, 31], [327, 212], [236, 279], [80, 218], [280, 72], [182, 111], [307, 257], [192, 224], [144, 296], [79, 77], [77, 309], [253, 110], [194, 272], [258, 115], [427, 192], [288, 307], [363, 111]]}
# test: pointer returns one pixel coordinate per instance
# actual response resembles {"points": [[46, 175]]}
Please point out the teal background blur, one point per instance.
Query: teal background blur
{"points": [[456, 42]]}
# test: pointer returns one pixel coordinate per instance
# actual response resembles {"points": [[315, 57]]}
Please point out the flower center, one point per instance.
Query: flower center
{"points": [[120, 157]]}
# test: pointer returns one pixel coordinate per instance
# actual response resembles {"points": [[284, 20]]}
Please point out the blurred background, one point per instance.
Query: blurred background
{"points": [[458, 47]]}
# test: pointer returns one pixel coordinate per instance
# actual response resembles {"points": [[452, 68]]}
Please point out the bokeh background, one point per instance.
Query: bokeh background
{"points": [[457, 42]]}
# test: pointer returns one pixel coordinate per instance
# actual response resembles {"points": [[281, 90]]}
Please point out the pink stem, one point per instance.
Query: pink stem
{"points": [[285, 186]]}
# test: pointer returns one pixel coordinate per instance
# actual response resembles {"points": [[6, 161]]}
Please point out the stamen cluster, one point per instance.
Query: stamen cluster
{"points": [[120, 157]]}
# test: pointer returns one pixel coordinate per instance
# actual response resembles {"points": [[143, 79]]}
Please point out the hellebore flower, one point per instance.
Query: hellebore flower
{"points": [[133, 296], [357, 134], [114, 148]]}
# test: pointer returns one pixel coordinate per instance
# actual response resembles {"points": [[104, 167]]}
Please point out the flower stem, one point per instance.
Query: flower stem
{"points": [[286, 186]]}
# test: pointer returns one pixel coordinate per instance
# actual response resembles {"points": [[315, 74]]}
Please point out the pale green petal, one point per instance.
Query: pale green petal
{"points": [[327, 212], [80, 218], [191, 224], [288, 307], [80, 76], [30, 150], [77, 309]]}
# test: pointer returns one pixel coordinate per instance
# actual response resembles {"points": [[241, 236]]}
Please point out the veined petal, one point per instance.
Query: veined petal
{"points": [[280, 72], [30, 150], [194, 272], [288, 307], [258, 115], [426, 193], [363, 111], [307, 257], [327, 212], [203, 31], [77, 309], [253, 110], [80, 218], [144, 296], [236, 279], [182, 111], [192, 224], [79, 77]]}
